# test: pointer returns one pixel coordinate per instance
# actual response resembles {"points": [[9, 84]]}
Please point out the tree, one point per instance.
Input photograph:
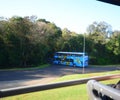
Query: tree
{"points": [[17, 40], [114, 43], [99, 32], [26, 41], [47, 33], [3, 53], [76, 43], [67, 34]]}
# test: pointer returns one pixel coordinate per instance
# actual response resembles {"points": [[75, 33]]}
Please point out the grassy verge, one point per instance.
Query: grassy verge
{"points": [[28, 68], [78, 76], [77, 92], [118, 65]]}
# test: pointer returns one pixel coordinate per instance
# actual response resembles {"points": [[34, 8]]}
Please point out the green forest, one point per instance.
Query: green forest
{"points": [[29, 41]]}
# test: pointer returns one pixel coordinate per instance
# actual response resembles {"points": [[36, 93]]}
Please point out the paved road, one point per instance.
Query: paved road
{"points": [[9, 79]]}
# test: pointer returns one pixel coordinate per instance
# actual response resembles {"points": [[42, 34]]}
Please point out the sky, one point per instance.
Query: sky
{"points": [[75, 15]]}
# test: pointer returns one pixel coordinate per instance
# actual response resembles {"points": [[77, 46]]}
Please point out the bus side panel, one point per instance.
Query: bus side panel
{"points": [[80, 61], [77, 61]]}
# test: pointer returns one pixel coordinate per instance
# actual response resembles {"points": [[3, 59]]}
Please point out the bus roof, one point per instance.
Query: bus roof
{"points": [[76, 53]]}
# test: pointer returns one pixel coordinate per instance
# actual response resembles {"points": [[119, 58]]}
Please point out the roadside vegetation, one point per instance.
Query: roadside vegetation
{"points": [[30, 41], [77, 92]]}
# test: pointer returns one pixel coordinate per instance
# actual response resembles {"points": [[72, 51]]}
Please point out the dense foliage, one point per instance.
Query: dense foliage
{"points": [[28, 41]]}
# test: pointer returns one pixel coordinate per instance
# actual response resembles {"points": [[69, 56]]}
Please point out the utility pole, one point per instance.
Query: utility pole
{"points": [[83, 71]]}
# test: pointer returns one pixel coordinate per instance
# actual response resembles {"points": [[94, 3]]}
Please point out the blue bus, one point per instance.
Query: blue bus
{"points": [[78, 59]]}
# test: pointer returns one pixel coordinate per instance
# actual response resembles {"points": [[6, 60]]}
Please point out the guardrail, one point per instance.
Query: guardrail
{"points": [[33, 88]]}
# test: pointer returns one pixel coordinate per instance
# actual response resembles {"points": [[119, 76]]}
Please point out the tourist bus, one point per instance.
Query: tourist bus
{"points": [[78, 59]]}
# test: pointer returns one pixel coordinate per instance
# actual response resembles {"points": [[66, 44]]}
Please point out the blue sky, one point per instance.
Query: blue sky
{"points": [[76, 15]]}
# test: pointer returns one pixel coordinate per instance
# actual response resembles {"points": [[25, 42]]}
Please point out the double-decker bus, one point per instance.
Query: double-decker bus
{"points": [[78, 59]]}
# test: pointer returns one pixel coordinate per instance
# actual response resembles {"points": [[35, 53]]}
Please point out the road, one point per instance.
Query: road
{"points": [[10, 79]]}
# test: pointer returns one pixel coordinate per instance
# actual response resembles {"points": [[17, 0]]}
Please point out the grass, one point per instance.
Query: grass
{"points": [[78, 76], [28, 68], [117, 65], [77, 92]]}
